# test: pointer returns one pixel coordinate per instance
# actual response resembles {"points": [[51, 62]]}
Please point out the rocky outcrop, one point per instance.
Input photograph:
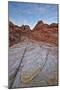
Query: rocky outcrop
{"points": [[45, 33], [14, 34], [18, 34], [41, 32]]}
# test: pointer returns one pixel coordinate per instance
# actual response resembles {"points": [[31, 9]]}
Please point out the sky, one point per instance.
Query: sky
{"points": [[30, 13]]}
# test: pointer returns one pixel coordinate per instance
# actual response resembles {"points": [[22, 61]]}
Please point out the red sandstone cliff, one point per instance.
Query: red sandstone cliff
{"points": [[41, 32]]}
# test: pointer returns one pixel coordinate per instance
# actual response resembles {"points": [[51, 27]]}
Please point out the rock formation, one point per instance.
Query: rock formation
{"points": [[17, 34], [41, 32], [45, 33]]}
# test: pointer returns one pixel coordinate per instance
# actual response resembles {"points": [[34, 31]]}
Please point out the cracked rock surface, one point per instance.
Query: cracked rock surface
{"points": [[32, 64]]}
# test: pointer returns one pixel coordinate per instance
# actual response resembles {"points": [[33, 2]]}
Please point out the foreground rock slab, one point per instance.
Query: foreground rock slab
{"points": [[32, 64]]}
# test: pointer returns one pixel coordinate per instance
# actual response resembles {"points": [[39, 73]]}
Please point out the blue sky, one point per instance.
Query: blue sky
{"points": [[29, 13]]}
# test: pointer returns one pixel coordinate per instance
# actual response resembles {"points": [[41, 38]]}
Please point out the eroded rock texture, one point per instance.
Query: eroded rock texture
{"points": [[41, 32], [32, 64]]}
